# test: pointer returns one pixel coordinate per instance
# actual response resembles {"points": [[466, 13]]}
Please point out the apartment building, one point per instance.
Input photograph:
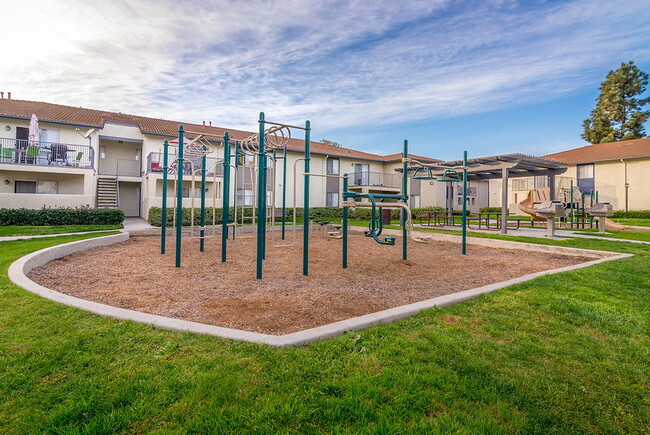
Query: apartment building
{"points": [[85, 157]]}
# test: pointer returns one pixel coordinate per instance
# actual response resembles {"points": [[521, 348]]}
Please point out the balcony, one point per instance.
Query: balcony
{"points": [[378, 179], [214, 166], [39, 153]]}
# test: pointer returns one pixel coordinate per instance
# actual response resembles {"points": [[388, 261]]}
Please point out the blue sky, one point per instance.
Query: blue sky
{"points": [[491, 76]]}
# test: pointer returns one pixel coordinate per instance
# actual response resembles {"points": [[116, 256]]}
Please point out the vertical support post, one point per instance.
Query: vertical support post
{"points": [[204, 161], [571, 202], [550, 227], [179, 195], [163, 233], [305, 239], [284, 191], [551, 185], [464, 218], [261, 198], [405, 179], [504, 201], [591, 203], [225, 206], [345, 224]]}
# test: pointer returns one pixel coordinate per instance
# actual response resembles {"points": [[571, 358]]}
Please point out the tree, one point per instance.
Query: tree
{"points": [[618, 115], [331, 143]]}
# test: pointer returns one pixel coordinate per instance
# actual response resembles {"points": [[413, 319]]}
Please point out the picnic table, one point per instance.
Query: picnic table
{"points": [[492, 221], [439, 218]]}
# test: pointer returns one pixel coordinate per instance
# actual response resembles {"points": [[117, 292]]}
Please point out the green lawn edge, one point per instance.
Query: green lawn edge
{"points": [[562, 353]]}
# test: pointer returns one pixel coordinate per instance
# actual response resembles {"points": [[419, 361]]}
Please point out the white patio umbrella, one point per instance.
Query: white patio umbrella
{"points": [[33, 130]]}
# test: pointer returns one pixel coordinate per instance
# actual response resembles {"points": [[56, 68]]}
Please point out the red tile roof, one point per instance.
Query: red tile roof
{"points": [[629, 149], [56, 113]]}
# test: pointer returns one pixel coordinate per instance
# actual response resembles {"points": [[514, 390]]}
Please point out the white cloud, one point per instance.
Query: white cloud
{"points": [[339, 63]]}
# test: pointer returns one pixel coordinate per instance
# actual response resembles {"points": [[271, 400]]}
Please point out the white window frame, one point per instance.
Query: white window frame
{"points": [[332, 199]]}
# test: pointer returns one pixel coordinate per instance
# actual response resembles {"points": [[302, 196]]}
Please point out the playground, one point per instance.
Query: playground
{"points": [[228, 294]]}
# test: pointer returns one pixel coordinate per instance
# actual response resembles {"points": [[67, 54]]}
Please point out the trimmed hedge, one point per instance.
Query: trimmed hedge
{"points": [[633, 214], [60, 216], [363, 213], [490, 210]]}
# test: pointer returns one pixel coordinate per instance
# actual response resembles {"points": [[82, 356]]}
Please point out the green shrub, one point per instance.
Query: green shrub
{"points": [[490, 210], [60, 216], [417, 211], [633, 214]]}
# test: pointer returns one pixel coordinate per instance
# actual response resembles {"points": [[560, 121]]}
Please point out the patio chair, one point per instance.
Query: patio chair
{"points": [[7, 155], [32, 154], [77, 159]]}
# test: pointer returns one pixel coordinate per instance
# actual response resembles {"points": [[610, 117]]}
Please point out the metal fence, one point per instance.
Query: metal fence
{"points": [[40, 153], [214, 166]]}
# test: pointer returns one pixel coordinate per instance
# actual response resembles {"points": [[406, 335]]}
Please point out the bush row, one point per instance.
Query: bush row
{"points": [[633, 214], [155, 214], [491, 210], [60, 216]]}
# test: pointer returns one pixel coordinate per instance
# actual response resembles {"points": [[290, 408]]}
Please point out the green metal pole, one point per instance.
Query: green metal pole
{"points": [[571, 202], [204, 161], [163, 234], [464, 218], [405, 179], [305, 239], [179, 195], [225, 207], [345, 224], [284, 191], [261, 198]]}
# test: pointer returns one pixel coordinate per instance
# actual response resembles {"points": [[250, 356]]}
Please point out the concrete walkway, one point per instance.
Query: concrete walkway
{"points": [[540, 233], [130, 225], [136, 224]]}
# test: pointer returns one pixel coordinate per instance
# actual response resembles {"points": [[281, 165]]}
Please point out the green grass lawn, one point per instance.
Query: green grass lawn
{"points": [[567, 353], [15, 230], [636, 222]]}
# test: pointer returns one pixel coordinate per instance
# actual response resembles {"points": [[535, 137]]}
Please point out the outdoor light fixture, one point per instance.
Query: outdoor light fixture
{"points": [[8, 128], [6, 181]]}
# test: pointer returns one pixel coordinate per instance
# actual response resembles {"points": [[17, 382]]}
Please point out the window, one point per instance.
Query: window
{"points": [[25, 186], [245, 197], [586, 178], [246, 160], [41, 187], [541, 181], [332, 199], [586, 171], [333, 166], [522, 184], [361, 174], [48, 135], [197, 192]]}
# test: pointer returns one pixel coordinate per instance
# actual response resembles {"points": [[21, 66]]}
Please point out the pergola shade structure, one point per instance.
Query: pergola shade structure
{"points": [[507, 166]]}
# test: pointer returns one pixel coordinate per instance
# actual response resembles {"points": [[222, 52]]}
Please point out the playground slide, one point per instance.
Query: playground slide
{"points": [[528, 204], [611, 225]]}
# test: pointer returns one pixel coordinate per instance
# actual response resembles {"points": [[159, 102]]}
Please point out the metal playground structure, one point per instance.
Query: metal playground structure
{"points": [[257, 157]]}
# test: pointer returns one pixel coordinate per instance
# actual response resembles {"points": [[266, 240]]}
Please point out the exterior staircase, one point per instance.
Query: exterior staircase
{"points": [[107, 192]]}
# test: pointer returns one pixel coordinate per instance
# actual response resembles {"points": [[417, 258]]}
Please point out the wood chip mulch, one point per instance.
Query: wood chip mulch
{"points": [[136, 276]]}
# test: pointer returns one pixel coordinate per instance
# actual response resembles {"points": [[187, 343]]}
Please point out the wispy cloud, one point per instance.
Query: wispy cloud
{"points": [[339, 63]]}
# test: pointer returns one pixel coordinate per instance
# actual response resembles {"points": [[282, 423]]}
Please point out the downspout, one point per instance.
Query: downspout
{"points": [[627, 186]]}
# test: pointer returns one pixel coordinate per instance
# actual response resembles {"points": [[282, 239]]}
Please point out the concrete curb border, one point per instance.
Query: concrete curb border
{"points": [[21, 267]]}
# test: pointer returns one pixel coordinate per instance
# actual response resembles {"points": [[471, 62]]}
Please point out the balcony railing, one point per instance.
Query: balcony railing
{"points": [[375, 179], [39, 153], [128, 167], [213, 165]]}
